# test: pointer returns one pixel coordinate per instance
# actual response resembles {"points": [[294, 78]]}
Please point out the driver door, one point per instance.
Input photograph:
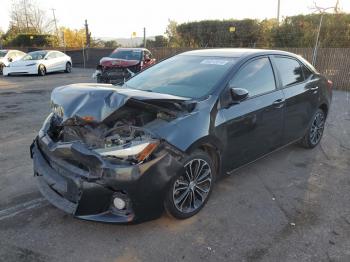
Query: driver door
{"points": [[252, 127]]}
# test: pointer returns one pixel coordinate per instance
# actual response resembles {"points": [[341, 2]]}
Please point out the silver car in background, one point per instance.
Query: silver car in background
{"points": [[40, 63], [7, 56]]}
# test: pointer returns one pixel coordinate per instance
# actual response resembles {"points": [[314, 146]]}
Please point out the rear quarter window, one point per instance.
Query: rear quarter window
{"points": [[290, 71]]}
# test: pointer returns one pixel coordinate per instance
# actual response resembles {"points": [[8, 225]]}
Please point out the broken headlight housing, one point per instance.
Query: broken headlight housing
{"points": [[138, 151]]}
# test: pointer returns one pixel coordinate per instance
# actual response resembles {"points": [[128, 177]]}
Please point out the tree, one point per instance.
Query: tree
{"points": [[267, 27], [300, 31], [159, 41], [73, 37], [1, 38], [219, 33], [174, 39], [110, 44], [27, 17]]}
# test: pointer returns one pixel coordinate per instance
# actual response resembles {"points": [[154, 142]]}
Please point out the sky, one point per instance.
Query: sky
{"points": [[115, 18]]}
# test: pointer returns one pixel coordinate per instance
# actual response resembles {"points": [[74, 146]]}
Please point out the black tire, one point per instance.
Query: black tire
{"points": [[41, 70], [194, 191], [1, 68], [314, 133], [68, 68], [99, 79]]}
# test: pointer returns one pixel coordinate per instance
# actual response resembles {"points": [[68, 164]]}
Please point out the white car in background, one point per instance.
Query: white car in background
{"points": [[40, 63], [8, 56]]}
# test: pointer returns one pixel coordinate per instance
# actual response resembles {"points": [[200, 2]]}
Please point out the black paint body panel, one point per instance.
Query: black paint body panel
{"points": [[240, 133]]}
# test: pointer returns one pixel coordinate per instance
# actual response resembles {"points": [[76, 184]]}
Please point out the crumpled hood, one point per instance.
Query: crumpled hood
{"points": [[98, 101], [114, 62]]}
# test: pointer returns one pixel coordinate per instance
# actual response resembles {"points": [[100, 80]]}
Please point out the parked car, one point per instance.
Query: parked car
{"points": [[40, 63], [122, 64], [122, 154], [8, 56]]}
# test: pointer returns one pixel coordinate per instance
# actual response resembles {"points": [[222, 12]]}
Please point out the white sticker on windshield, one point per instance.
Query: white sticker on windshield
{"points": [[214, 62]]}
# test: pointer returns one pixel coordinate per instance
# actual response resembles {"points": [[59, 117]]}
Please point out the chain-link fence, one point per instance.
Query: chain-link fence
{"points": [[332, 62]]}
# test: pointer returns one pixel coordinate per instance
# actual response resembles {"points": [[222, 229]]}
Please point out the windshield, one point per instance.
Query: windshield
{"points": [[37, 55], [3, 53], [183, 75], [127, 54]]}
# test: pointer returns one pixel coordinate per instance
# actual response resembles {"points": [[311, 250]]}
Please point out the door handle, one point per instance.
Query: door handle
{"points": [[278, 103], [314, 88]]}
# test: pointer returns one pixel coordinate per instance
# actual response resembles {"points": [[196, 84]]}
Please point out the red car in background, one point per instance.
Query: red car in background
{"points": [[122, 64]]}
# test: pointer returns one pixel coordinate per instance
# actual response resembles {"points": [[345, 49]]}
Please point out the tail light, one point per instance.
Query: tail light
{"points": [[329, 84]]}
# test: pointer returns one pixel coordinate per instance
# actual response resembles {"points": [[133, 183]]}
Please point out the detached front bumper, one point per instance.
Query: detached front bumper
{"points": [[78, 181]]}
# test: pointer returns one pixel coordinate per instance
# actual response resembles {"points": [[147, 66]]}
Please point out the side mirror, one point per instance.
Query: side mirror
{"points": [[10, 59], [238, 94]]}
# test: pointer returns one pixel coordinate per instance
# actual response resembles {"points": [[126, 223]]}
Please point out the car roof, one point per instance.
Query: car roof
{"points": [[132, 48], [235, 52], [8, 50]]}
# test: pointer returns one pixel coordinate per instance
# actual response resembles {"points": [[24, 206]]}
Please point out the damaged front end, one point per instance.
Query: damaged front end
{"points": [[96, 156], [116, 71]]}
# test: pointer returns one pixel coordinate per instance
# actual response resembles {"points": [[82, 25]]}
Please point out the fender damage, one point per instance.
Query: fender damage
{"points": [[79, 155]]}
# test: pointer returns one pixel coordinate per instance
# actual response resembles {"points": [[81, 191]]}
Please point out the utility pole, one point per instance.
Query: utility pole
{"points": [[87, 34], [322, 11], [26, 14], [144, 37], [88, 40], [278, 11], [54, 18]]}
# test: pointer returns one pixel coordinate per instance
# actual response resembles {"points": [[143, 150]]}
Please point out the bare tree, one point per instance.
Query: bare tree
{"points": [[28, 17]]}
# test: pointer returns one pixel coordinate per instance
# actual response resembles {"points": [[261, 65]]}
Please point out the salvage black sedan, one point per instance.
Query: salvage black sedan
{"points": [[125, 153]]}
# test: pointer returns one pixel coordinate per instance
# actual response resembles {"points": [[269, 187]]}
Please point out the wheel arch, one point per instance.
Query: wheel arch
{"points": [[324, 107], [212, 146]]}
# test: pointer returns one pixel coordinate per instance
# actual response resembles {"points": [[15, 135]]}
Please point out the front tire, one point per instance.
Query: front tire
{"points": [[68, 68], [41, 70], [1, 68], [314, 133], [190, 190]]}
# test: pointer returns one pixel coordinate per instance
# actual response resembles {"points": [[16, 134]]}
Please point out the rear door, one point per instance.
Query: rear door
{"points": [[61, 61], [50, 62], [252, 127], [301, 93]]}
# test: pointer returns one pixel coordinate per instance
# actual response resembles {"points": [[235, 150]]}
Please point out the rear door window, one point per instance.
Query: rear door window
{"points": [[290, 70], [256, 76]]}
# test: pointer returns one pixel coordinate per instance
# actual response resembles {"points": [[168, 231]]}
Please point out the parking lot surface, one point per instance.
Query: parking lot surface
{"points": [[293, 205]]}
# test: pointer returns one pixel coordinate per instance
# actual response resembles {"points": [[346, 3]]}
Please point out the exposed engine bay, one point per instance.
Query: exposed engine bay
{"points": [[111, 138], [119, 129]]}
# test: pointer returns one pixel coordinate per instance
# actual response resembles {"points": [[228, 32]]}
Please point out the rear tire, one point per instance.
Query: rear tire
{"points": [[314, 133], [189, 191], [41, 70]]}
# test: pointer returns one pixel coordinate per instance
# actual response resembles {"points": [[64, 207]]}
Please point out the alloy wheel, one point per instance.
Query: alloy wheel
{"points": [[192, 188], [317, 127]]}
